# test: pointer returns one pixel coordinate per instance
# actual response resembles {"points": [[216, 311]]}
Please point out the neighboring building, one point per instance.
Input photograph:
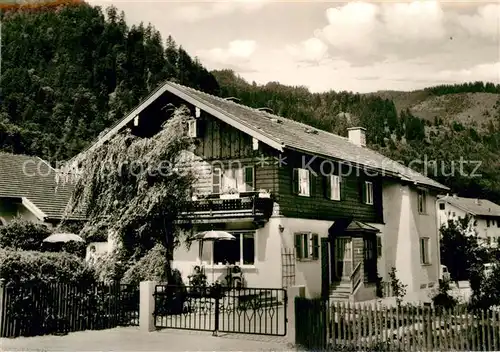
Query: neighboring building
{"points": [[484, 214], [295, 225], [28, 189]]}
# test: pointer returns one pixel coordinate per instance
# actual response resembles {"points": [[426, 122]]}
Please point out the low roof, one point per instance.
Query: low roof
{"points": [[280, 133], [33, 181], [473, 206]]}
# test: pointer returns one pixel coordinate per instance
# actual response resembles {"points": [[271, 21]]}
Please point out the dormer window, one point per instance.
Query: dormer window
{"points": [[192, 129]]}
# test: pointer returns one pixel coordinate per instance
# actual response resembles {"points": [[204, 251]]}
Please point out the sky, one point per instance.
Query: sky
{"points": [[360, 46]]}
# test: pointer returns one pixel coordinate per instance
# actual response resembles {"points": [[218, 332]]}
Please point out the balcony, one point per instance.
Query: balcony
{"points": [[247, 206]]}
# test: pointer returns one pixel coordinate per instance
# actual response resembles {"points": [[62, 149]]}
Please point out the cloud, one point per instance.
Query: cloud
{"points": [[485, 22], [418, 20], [310, 50], [351, 26], [368, 29], [237, 53], [203, 10]]}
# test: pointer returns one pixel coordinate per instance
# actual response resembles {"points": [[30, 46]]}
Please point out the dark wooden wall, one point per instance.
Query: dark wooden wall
{"points": [[317, 205]]}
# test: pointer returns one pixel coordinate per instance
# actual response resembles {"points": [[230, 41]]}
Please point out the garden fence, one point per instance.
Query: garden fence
{"points": [[30, 309], [321, 324]]}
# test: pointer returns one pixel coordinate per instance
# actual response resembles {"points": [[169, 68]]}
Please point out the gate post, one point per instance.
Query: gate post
{"points": [[147, 306], [292, 292]]}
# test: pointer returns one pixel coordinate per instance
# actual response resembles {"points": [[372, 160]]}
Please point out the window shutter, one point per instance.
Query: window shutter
{"points": [[200, 128], [327, 182], [312, 184], [249, 178], [295, 181], [298, 246], [216, 181], [362, 191], [343, 188], [315, 246]]}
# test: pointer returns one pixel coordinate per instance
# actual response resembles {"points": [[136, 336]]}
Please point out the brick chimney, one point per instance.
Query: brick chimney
{"points": [[357, 135]]}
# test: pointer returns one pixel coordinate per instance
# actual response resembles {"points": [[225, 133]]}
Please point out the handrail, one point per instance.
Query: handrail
{"points": [[355, 277]]}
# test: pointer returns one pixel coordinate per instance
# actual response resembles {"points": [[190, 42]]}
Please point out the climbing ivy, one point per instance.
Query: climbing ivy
{"points": [[133, 189]]}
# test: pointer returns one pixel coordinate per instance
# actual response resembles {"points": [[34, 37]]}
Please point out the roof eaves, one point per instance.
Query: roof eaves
{"points": [[225, 117], [458, 205], [123, 122], [33, 208]]}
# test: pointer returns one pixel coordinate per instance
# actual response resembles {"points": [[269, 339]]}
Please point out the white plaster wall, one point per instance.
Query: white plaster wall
{"points": [[102, 248], [265, 273], [451, 212], [401, 234], [10, 210], [307, 273]]}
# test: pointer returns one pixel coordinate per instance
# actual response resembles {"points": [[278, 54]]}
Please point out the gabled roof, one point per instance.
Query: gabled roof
{"points": [[280, 133], [473, 206], [32, 181]]}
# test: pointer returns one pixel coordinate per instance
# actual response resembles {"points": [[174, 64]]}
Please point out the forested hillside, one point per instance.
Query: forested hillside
{"points": [[68, 73], [436, 146]]}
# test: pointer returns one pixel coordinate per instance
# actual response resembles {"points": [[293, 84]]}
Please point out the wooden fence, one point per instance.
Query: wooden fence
{"points": [[359, 327], [59, 308]]}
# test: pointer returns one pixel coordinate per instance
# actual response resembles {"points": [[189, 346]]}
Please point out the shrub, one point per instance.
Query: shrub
{"points": [[398, 288], [31, 266], [151, 267], [23, 234], [443, 300], [109, 268]]}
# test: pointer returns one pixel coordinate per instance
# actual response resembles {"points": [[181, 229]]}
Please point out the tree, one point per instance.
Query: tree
{"points": [[136, 188], [460, 250]]}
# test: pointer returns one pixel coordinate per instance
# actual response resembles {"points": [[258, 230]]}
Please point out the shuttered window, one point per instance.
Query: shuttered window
{"points": [[333, 187], [216, 180], [307, 246], [301, 182]]}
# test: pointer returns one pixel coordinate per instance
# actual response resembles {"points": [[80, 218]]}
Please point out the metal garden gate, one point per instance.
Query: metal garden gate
{"points": [[259, 311]]}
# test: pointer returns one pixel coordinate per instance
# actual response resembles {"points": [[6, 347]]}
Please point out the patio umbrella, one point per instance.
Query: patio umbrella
{"points": [[213, 236], [63, 237]]}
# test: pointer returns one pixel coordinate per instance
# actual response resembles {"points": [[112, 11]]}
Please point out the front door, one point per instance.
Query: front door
{"points": [[343, 258]]}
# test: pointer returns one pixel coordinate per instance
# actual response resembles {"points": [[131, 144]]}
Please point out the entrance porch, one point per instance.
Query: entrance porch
{"points": [[349, 261]]}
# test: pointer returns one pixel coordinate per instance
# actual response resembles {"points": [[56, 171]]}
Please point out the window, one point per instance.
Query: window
{"points": [[422, 201], [216, 180], [239, 179], [240, 251], [192, 128], [307, 246], [424, 251], [301, 182], [368, 193], [442, 206], [379, 246], [333, 187], [498, 223], [487, 222]]}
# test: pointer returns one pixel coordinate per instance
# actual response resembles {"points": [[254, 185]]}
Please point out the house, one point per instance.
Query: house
{"points": [[484, 216], [29, 189], [307, 207]]}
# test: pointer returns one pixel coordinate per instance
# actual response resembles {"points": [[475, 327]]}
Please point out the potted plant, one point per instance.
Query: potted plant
{"points": [[230, 193]]}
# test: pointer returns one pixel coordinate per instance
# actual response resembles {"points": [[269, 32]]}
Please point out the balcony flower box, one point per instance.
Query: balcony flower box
{"points": [[230, 196], [264, 194], [230, 193]]}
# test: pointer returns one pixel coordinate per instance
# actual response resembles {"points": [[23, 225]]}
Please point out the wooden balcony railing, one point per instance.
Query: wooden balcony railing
{"points": [[248, 205]]}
